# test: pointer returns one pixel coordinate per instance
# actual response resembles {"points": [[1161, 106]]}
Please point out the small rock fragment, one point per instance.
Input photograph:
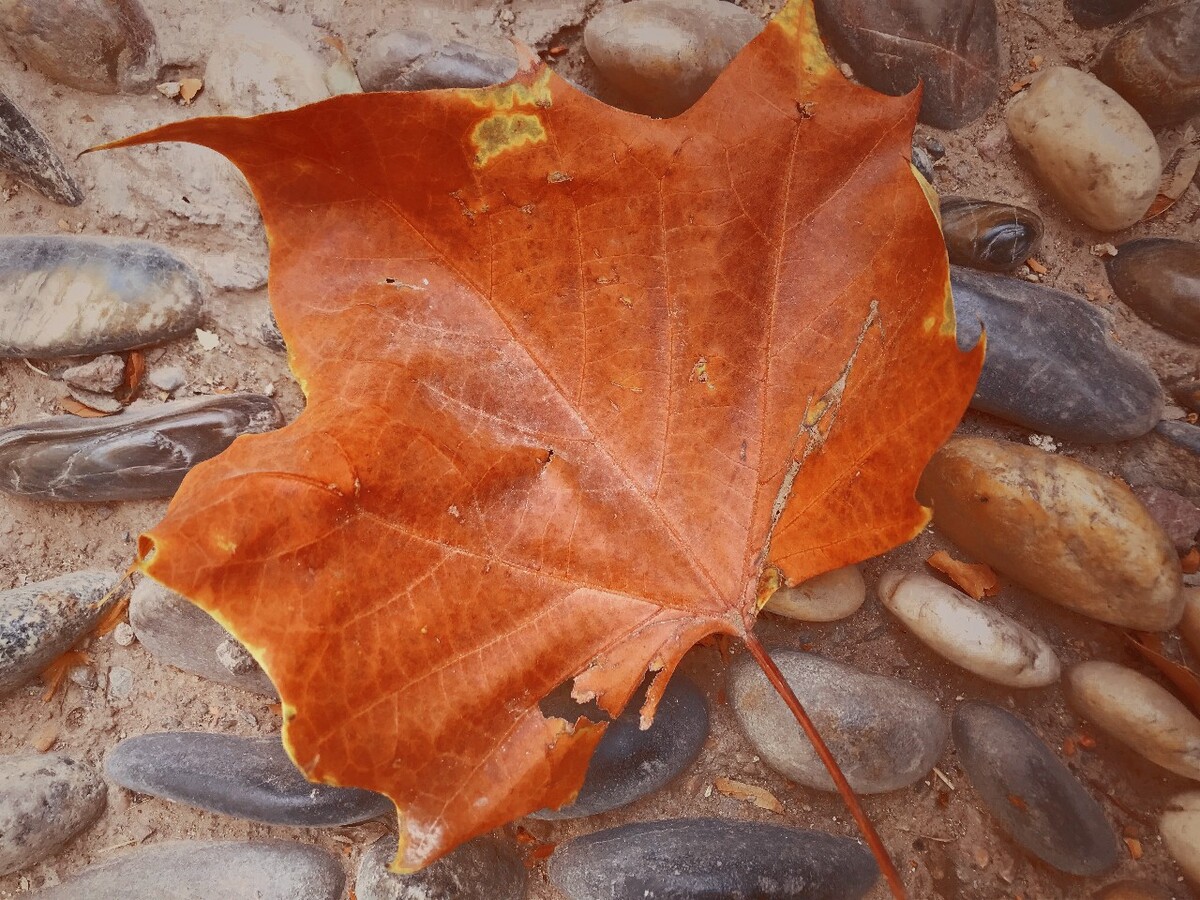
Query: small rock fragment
{"points": [[167, 378], [1178, 516], [102, 375], [484, 869], [120, 684]]}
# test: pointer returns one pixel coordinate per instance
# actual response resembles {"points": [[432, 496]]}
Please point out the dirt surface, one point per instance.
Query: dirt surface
{"points": [[941, 837]]}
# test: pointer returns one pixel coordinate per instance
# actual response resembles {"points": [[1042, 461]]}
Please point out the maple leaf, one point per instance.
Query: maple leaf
{"points": [[583, 388]]}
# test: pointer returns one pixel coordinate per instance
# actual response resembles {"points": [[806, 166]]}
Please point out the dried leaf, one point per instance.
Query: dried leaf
{"points": [[135, 371], [976, 579], [1135, 847], [1036, 266], [1177, 175], [54, 673], [748, 793], [188, 89], [1190, 561], [75, 408], [495, 301]]}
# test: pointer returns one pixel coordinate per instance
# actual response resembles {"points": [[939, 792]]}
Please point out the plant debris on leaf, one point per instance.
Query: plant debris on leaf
{"points": [[583, 387]]}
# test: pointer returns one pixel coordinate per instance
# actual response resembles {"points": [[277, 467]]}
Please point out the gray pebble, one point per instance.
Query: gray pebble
{"points": [[412, 60], [102, 375], [26, 153], [120, 684], [45, 800], [484, 869], [167, 378]]}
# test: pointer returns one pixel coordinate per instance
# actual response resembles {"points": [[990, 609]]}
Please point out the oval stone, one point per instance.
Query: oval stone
{"points": [[1051, 363], [209, 870], [630, 763], [1180, 828], [996, 237], [884, 733], [1053, 817], [412, 60], [1098, 13], [39, 622], [970, 634], [826, 598], [26, 154], [1182, 434], [1139, 712], [1057, 527], [104, 46], [248, 778], [484, 869], [664, 54], [1089, 147], [1154, 64], [257, 68], [45, 800], [1159, 279], [712, 858], [179, 633], [73, 296], [949, 46], [142, 454]]}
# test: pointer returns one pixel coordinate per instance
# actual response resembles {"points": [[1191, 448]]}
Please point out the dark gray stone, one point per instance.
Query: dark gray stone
{"points": [[45, 800], [630, 763], [104, 46], [484, 869], [951, 46], [1159, 279], [1098, 13], [413, 61], [142, 454], [1154, 63], [74, 296], [1053, 818], [209, 870], [1051, 365], [1182, 434], [995, 237], [26, 154], [924, 163], [248, 778], [39, 622], [179, 633], [884, 732], [712, 859]]}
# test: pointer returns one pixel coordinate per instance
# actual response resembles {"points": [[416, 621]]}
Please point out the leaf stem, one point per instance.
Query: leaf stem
{"points": [[789, 697]]}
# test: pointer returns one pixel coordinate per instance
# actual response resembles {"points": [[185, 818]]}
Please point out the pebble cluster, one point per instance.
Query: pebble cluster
{"points": [[81, 310]]}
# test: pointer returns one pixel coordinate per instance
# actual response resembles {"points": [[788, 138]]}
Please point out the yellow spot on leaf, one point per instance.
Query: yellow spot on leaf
{"points": [[798, 22], [511, 95], [505, 131]]}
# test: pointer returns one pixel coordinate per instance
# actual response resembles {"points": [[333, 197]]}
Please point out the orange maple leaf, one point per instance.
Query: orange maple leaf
{"points": [[510, 472]]}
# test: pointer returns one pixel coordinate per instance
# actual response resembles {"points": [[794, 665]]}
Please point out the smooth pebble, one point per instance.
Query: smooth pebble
{"points": [[826, 598], [1180, 829], [983, 234], [483, 869], [1159, 279], [45, 800], [1154, 64]]}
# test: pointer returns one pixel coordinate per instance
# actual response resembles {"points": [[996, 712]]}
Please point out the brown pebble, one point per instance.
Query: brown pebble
{"points": [[43, 737]]}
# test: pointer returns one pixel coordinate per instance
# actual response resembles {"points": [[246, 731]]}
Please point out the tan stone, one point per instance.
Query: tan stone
{"points": [[826, 598], [1058, 527], [1180, 827]]}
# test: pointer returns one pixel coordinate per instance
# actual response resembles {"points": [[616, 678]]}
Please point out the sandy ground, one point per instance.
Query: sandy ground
{"points": [[942, 837]]}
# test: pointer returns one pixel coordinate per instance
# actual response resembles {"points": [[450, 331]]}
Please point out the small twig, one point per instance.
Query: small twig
{"points": [[36, 369]]}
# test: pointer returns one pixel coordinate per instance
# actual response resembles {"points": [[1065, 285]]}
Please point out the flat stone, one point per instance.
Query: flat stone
{"points": [[45, 800], [256, 68], [1182, 434], [142, 454], [950, 46], [1180, 828], [712, 858], [1055, 818], [411, 60], [484, 869], [26, 154], [168, 379], [970, 634], [1098, 13], [664, 54], [826, 598], [179, 633], [1159, 279], [885, 733], [1139, 712], [1178, 516], [1057, 527], [1089, 148], [1052, 365], [104, 374], [40, 622], [996, 237], [105, 46], [248, 778], [209, 870], [630, 763], [73, 296], [1153, 64]]}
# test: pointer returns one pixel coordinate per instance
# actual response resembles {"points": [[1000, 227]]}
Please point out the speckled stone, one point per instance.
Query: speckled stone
{"points": [[26, 154], [1055, 819], [41, 621], [45, 800], [630, 763], [248, 778], [1159, 279], [142, 454], [982, 234], [885, 733], [209, 870], [104, 46], [257, 68], [712, 858], [484, 869], [1182, 434], [1154, 64], [1052, 365], [411, 60]]}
